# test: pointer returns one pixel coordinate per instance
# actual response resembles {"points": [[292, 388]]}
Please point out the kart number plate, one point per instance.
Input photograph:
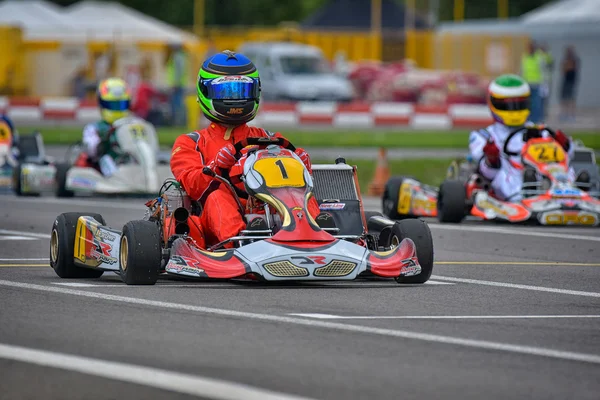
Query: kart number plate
{"points": [[546, 153], [281, 172]]}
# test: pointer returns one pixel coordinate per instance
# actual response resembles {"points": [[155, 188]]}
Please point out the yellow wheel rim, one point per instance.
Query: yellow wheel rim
{"points": [[124, 252], [54, 246]]}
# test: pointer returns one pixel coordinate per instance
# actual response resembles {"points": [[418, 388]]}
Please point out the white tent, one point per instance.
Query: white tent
{"points": [[39, 19], [113, 21], [557, 25], [565, 11]]}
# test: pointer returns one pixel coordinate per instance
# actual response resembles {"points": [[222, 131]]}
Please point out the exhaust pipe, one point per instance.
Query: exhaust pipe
{"points": [[181, 216]]}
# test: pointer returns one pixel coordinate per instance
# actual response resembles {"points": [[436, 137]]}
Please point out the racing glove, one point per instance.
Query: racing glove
{"points": [[491, 153], [305, 157], [563, 140], [224, 160]]}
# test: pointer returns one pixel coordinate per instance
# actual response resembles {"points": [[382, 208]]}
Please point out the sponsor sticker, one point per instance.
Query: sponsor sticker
{"points": [[332, 206], [568, 218], [233, 78], [412, 268], [83, 182], [566, 192], [100, 251]]}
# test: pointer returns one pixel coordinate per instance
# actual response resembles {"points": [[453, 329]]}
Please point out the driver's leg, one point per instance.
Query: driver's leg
{"points": [[221, 218], [508, 182]]}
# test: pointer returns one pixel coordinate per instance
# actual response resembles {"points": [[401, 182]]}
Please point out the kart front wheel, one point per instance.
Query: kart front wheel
{"points": [[451, 202], [418, 231], [62, 247], [140, 253]]}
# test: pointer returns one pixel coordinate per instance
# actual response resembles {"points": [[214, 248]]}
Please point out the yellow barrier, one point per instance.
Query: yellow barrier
{"points": [[356, 45], [13, 74], [488, 55], [419, 48]]}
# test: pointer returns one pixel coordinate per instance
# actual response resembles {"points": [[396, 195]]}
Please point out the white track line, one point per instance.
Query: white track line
{"points": [[509, 231], [25, 259], [108, 203], [152, 377], [477, 344], [518, 286], [330, 316], [16, 238], [23, 233], [191, 285]]}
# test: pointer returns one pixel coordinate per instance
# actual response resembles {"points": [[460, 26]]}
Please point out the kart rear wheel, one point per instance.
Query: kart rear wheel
{"points": [[140, 253], [391, 197], [451, 203], [17, 182], [418, 231], [61, 181], [62, 247]]}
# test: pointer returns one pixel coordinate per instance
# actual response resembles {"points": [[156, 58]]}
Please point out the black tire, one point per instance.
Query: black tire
{"points": [[16, 180], [61, 181], [418, 231], [140, 253], [390, 198], [62, 243], [451, 202]]}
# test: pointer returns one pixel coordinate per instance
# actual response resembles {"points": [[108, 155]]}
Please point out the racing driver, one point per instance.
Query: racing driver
{"points": [[228, 89], [508, 100], [99, 143]]}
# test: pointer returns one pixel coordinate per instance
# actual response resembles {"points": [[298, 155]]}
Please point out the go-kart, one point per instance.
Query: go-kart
{"points": [[549, 195], [139, 169], [342, 243]]}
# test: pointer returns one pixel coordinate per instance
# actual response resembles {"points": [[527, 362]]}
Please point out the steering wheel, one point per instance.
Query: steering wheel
{"points": [[530, 133], [262, 142]]}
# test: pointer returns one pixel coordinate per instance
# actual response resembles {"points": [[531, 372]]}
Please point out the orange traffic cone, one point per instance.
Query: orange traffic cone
{"points": [[381, 176]]}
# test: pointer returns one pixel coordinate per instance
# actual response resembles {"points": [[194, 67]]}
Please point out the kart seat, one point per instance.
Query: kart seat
{"points": [[31, 148]]}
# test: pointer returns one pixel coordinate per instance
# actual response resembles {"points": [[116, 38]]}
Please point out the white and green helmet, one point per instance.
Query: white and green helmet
{"points": [[229, 88], [508, 100]]}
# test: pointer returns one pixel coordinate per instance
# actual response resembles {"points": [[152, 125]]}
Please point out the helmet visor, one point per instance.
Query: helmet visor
{"points": [[231, 88], [510, 104], [115, 105]]}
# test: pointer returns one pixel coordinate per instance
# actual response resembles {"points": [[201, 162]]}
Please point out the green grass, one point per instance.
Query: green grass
{"points": [[429, 171], [407, 139]]}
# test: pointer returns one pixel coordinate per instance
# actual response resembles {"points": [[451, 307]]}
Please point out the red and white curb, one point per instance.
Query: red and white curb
{"points": [[301, 114]]}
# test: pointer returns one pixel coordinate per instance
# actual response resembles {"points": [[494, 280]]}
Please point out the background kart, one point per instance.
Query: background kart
{"points": [[550, 197], [343, 243], [141, 170]]}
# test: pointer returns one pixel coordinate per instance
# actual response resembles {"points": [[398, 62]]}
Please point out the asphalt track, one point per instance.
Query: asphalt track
{"points": [[511, 312]]}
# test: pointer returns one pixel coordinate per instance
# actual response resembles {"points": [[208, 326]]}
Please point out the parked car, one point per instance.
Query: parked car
{"points": [[296, 72]]}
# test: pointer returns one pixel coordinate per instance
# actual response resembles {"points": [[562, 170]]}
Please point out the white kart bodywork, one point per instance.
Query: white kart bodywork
{"points": [[142, 174]]}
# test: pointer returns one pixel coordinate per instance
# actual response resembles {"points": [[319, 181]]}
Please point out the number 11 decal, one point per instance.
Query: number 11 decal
{"points": [[284, 174]]}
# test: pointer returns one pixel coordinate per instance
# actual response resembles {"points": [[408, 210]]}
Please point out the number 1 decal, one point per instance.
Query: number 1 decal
{"points": [[284, 174]]}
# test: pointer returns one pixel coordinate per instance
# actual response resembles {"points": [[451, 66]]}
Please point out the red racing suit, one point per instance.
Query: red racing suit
{"points": [[192, 152]]}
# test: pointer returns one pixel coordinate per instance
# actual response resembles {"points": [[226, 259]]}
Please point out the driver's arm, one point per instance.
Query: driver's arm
{"points": [[187, 164], [476, 144]]}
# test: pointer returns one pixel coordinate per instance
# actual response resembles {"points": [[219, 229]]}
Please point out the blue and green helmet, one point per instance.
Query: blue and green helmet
{"points": [[228, 88]]}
